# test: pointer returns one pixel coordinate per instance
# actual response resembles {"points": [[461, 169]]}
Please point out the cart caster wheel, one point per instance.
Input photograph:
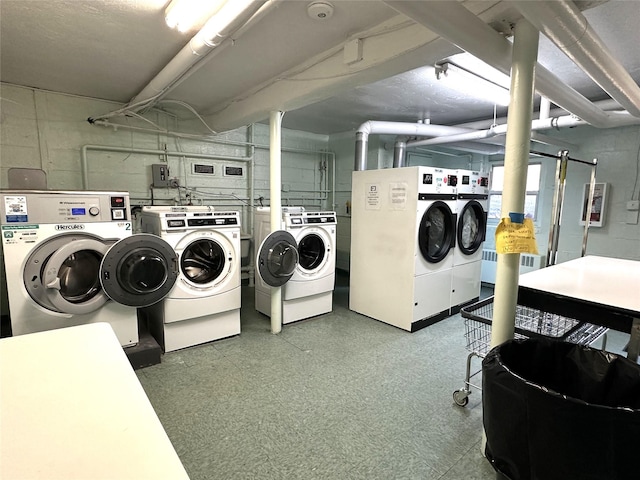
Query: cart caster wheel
{"points": [[461, 397]]}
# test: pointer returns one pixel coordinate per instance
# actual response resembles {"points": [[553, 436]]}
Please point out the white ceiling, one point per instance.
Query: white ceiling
{"points": [[111, 49]]}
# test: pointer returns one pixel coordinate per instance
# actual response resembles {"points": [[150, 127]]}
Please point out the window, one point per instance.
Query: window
{"points": [[532, 191]]}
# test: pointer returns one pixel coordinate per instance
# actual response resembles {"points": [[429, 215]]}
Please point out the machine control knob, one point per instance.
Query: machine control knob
{"points": [[94, 211]]}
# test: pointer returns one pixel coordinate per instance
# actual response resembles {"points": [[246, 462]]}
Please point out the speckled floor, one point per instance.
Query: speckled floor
{"points": [[339, 396]]}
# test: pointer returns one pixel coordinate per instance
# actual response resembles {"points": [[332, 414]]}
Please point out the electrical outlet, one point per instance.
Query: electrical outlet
{"points": [[633, 205]]}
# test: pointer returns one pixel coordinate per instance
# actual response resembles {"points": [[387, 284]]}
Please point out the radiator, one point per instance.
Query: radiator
{"points": [[528, 263]]}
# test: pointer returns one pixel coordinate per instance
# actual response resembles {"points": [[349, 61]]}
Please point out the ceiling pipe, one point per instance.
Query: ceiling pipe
{"points": [[212, 35], [569, 30], [477, 135], [396, 128], [399, 154], [456, 24]]}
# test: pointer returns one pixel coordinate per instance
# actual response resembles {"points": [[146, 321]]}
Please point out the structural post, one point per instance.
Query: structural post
{"points": [[525, 53], [275, 189]]}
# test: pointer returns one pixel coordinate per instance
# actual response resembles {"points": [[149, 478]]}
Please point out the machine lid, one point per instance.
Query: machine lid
{"points": [[437, 232], [139, 270], [472, 227], [277, 258]]}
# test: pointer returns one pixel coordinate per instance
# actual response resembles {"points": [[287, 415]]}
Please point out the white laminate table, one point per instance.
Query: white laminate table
{"points": [[71, 407], [599, 290]]}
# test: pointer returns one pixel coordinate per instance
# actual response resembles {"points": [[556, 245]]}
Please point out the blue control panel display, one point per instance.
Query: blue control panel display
{"points": [[78, 211]]}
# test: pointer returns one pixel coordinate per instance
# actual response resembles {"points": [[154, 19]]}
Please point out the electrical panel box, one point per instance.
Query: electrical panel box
{"points": [[160, 173]]}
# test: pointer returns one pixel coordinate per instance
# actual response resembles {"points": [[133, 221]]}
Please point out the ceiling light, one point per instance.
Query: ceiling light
{"points": [[185, 15], [212, 32], [472, 84]]}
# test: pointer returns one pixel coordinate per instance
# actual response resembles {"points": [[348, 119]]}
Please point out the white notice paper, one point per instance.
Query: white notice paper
{"points": [[372, 200]]}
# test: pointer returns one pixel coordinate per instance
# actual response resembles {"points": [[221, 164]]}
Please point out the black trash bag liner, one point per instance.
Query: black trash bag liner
{"points": [[556, 410]]}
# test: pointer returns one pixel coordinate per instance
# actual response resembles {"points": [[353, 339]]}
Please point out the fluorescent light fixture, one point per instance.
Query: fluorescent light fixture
{"points": [[185, 15], [466, 81], [216, 28]]}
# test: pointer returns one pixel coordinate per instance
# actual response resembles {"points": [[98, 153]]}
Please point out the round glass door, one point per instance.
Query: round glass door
{"points": [[437, 232], [203, 261], [139, 271], [63, 274], [311, 250], [471, 228], [277, 258]]}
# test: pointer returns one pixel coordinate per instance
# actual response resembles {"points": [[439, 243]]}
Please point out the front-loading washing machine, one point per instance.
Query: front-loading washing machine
{"points": [[71, 259], [403, 225], [472, 205], [204, 304], [307, 246]]}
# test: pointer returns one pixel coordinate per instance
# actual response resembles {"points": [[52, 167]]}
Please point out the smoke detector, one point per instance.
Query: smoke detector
{"points": [[320, 10]]}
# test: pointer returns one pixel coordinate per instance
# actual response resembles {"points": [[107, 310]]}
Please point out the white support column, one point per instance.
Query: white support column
{"points": [[275, 186], [525, 52]]}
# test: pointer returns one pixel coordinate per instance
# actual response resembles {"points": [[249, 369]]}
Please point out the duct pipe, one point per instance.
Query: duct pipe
{"points": [[275, 191], [525, 52], [212, 34], [455, 23], [396, 128], [477, 135], [545, 108], [564, 25], [399, 154]]}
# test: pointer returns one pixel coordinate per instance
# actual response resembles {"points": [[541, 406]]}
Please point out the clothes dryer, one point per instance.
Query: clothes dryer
{"points": [[204, 304], [402, 238], [71, 259], [301, 258], [472, 205]]}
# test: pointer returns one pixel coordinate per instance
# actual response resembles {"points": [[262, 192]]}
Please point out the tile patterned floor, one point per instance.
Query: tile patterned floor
{"points": [[339, 396]]}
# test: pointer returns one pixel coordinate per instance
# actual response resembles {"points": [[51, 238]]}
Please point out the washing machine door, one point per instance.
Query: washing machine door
{"points": [[472, 227], [312, 251], [63, 273], [277, 258], [139, 270], [437, 236]]}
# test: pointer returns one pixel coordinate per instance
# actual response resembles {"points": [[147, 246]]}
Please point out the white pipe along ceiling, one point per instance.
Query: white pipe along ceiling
{"points": [[565, 26], [455, 23], [563, 23]]}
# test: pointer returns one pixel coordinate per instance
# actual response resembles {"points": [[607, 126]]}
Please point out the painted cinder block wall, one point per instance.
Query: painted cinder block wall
{"points": [[46, 130]]}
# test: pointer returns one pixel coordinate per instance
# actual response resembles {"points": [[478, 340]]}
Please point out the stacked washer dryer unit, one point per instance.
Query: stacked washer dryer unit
{"points": [[472, 205], [301, 258], [402, 238], [71, 259], [204, 304]]}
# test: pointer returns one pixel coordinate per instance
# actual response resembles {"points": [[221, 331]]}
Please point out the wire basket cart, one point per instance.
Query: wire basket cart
{"points": [[529, 322]]}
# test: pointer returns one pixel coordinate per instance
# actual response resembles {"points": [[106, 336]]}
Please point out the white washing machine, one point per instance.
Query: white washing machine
{"points": [[301, 258], [71, 259], [472, 206], [204, 304], [403, 226]]}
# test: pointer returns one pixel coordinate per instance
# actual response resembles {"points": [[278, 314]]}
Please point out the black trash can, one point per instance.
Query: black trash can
{"points": [[556, 410]]}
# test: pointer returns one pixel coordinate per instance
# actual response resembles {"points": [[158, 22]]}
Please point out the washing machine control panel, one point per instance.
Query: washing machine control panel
{"points": [[64, 207], [309, 218]]}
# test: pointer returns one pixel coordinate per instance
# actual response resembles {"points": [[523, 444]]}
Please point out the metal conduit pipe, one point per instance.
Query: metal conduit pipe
{"points": [[145, 151], [564, 25], [399, 154], [455, 23]]}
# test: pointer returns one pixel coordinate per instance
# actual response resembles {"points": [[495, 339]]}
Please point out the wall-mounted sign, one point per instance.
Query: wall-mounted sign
{"points": [[597, 204]]}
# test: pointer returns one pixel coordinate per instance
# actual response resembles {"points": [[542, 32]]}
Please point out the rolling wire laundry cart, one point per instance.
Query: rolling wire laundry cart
{"points": [[530, 322]]}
